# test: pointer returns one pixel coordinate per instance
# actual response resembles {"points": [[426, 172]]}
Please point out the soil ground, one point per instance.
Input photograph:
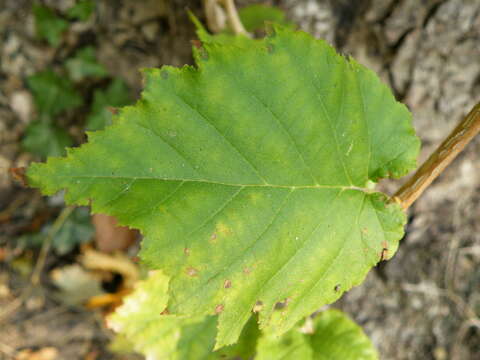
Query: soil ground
{"points": [[423, 304]]}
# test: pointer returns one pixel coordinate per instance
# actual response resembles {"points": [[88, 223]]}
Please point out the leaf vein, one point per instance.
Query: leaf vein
{"points": [[228, 141]]}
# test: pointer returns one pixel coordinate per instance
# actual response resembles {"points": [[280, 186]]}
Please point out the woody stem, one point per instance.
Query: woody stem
{"points": [[440, 159]]}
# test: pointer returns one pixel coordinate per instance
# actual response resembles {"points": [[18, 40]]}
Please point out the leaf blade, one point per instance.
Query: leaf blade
{"points": [[262, 150]]}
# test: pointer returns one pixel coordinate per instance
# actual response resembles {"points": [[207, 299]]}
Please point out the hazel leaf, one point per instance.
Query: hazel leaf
{"points": [[249, 176]]}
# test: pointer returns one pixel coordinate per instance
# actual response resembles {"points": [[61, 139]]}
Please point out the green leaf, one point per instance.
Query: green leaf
{"points": [[245, 348], [52, 93], [253, 17], [163, 336], [336, 336], [81, 10], [291, 345], [115, 95], [49, 26], [332, 336], [85, 65], [45, 139], [248, 177]]}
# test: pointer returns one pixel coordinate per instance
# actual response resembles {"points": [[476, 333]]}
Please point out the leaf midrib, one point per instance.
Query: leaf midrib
{"points": [[212, 182]]}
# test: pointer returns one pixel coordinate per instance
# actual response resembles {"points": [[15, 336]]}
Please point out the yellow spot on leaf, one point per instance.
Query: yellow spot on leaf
{"points": [[222, 230], [255, 197]]}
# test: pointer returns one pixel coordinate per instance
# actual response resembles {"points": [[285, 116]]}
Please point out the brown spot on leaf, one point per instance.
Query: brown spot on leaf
{"points": [[384, 254], [196, 43], [337, 287], [192, 272], [219, 308], [227, 284], [186, 251], [365, 231], [247, 270], [213, 237], [113, 110], [165, 312], [282, 304], [258, 306]]}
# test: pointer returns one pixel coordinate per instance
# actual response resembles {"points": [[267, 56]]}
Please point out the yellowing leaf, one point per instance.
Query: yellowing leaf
{"points": [[158, 335], [142, 319]]}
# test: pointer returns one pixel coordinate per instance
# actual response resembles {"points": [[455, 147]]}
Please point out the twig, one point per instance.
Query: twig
{"points": [[215, 15], [15, 304], [440, 159], [35, 277], [47, 243], [233, 18], [460, 336]]}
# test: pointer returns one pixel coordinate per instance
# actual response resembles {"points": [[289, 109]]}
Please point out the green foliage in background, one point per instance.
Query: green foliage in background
{"points": [[49, 25], [249, 178], [115, 95], [52, 93], [45, 139], [84, 65], [76, 229], [329, 335], [82, 10], [253, 17]]}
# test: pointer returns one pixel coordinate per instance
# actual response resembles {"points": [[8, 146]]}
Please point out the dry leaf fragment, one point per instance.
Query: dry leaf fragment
{"points": [[109, 236], [76, 284], [116, 263], [47, 353]]}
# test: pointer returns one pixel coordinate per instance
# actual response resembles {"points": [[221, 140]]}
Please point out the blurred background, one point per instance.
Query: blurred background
{"points": [[65, 65]]}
